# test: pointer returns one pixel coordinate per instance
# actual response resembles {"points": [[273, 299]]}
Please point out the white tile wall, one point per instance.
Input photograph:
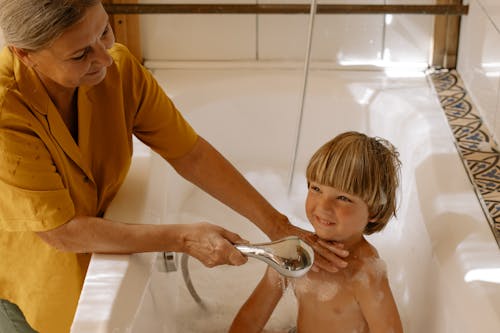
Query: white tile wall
{"points": [[479, 59], [408, 37], [198, 36], [285, 37], [492, 7], [496, 128], [337, 38]]}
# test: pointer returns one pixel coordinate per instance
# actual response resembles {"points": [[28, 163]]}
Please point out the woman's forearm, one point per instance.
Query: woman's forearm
{"points": [[205, 167], [84, 234], [210, 244]]}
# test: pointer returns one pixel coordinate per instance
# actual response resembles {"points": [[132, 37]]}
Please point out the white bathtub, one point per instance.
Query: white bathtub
{"points": [[436, 250]]}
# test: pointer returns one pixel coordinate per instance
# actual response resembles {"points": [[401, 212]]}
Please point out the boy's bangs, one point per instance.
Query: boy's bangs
{"points": [[344, 171]]}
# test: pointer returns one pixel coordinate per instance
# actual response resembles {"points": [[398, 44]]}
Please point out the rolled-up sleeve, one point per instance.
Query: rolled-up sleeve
{"points": [[160, 125], [33, 196], [156, 121]]}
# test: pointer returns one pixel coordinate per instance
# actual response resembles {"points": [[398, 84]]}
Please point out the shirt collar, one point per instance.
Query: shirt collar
{"points": [[29, 84]]}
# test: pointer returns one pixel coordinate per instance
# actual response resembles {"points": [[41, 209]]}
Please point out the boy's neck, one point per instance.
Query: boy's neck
{"points": [[352, 243]]}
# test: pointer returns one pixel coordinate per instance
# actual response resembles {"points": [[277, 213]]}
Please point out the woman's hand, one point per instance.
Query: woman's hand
{"points": [[212, 245], [328, 256]]}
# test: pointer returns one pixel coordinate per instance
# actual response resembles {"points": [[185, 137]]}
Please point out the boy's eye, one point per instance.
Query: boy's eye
{"points": [[314, 188], [343, 198]]}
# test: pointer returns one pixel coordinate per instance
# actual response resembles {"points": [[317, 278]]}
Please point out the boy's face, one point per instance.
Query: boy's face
{"points": [[336, 215]]}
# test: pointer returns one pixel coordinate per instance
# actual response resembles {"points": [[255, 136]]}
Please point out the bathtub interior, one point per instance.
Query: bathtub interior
{"points": [[250, 116]]}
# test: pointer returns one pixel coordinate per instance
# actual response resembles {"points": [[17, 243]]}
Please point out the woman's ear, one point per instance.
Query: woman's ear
{"points": [[23, 55]]}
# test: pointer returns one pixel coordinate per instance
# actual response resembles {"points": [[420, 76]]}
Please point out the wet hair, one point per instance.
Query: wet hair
{"points": [[367, 167], [34, 24]]}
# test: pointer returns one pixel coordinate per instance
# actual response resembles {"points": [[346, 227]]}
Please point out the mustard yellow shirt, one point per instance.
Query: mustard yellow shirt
{"points": [[46, 178]]}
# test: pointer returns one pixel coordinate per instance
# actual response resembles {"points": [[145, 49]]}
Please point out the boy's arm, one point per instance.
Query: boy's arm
{"points": [[255, 313], [375, 298]]}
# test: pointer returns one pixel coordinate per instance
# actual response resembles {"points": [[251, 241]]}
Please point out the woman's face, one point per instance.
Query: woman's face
{"points": [[79, 56]]}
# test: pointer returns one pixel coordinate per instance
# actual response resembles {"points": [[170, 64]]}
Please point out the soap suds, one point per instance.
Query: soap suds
{"points": [[324, 291]]}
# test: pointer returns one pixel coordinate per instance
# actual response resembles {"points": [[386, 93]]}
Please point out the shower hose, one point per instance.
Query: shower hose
{"points": [[187, 280]]}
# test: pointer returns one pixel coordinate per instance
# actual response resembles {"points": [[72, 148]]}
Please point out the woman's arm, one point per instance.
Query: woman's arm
{"points": [[205, 167], [210, 244], [257, 310]]}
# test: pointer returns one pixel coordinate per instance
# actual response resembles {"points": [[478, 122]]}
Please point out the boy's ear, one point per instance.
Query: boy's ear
{"points": [[23, 56]]}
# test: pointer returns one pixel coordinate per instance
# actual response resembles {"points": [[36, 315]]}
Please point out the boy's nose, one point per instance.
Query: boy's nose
{"points": [[326, 205]]}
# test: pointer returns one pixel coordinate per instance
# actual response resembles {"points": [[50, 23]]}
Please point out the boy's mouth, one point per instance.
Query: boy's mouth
{"points": [[324, 221]]}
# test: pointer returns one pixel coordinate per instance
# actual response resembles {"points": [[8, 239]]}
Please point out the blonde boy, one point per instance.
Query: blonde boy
{"points": [[352, 182]]}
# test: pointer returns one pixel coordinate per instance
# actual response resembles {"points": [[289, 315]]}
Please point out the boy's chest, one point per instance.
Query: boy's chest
{"points": [[325, 304], [315, 287]]}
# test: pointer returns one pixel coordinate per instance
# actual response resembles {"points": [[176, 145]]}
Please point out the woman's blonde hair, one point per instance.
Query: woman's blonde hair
{"points": [[367, 167], [34, 24]]}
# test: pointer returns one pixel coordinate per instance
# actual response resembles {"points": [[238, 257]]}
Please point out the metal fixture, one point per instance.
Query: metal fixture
{"points": [[166, 262]]}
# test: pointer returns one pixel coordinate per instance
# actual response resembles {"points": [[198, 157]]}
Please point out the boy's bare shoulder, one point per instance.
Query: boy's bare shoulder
{"points": [[366, 268]]}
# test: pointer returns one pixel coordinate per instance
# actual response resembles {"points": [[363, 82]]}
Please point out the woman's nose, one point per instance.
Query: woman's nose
{"points": [[102, 55]]}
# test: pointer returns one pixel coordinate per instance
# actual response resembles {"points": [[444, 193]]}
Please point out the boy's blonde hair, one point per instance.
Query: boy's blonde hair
{"points": [[367, 167]]}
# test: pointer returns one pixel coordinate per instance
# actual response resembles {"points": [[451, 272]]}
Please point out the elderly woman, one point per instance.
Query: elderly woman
{"points": [[70, 101]]}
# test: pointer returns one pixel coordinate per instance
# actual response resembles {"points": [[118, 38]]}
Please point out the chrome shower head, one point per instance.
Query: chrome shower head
{"points": [[290, 256]]}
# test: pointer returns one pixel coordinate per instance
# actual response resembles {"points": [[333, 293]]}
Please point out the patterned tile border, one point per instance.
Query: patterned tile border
{"points": [[474, 142]]}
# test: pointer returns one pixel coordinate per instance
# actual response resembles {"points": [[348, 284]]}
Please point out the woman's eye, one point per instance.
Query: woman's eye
{"points": [[108, 32], [80, 57]]}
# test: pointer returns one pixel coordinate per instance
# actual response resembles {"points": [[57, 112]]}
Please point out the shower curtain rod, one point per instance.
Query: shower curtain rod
{"points": [[283, 9]]}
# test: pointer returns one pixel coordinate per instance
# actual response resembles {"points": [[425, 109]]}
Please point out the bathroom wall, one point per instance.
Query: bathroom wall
{"points": [[339, 39], [479, 59]]}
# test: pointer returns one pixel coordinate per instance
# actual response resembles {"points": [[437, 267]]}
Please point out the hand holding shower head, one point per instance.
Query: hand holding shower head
{"points": [[290, 256]]}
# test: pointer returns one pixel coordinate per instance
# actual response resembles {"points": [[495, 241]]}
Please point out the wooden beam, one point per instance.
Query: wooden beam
{"points": [[443, 9], [446, 37], [126, 27]]}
